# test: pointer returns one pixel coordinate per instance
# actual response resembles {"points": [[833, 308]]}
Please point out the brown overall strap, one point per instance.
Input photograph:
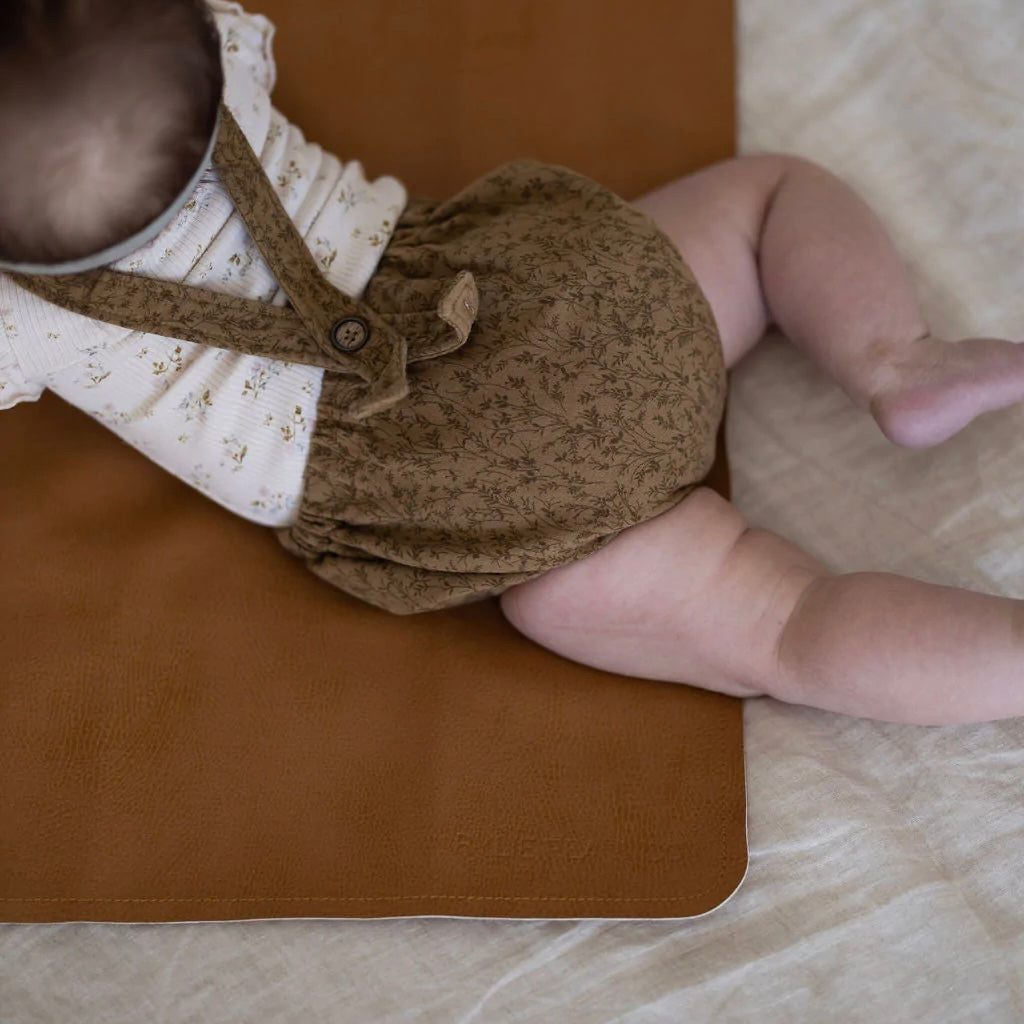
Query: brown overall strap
{"points": [[324, 327], [315, 299], [180, 311]]}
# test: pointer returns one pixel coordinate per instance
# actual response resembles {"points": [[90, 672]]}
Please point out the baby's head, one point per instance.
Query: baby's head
{"points": [[107, 108]]}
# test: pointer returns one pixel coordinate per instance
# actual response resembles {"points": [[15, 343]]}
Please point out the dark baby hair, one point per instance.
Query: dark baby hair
{"points": [[106, 111]]}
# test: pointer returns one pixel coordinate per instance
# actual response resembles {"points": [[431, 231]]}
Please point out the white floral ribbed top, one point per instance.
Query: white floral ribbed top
{"points": [[234, 426]]}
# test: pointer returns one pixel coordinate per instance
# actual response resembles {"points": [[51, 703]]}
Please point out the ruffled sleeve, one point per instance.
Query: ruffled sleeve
{"points": [[14, 387]]}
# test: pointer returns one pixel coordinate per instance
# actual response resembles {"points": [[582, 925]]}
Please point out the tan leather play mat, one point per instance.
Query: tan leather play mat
{"points": [[193, 727]]}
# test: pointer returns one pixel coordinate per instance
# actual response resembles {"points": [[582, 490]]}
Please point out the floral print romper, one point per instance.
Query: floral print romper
{"points": [[531, 370]]}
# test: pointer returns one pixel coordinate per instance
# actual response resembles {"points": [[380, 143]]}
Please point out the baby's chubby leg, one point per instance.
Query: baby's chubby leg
{"points": [[775, 239], [696, 596]]}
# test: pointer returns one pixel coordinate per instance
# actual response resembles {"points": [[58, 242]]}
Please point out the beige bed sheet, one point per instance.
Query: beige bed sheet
{"points": [[885, 874]]}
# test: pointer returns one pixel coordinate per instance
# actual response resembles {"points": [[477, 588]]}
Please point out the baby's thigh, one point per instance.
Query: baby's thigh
{"points": [[714, 218], [692, 596]]}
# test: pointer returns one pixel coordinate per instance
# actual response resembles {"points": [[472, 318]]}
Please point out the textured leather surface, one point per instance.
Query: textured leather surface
{"points": [[193, 727]]}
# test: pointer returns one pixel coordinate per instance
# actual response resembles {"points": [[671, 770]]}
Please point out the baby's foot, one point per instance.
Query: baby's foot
{"points": [[931, 389]]}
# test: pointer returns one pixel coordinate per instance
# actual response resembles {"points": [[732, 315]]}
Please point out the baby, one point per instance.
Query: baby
{"points": [[512, 392]]}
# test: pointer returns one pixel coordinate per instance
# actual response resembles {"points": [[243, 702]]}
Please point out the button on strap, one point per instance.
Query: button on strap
{"points": [[350, 334]]}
